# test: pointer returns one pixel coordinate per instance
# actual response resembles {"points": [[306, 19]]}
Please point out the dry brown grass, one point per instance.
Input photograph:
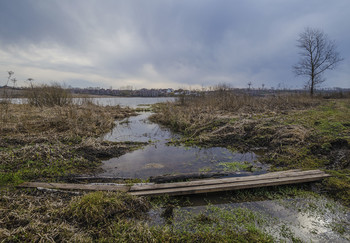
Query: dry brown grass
{"points": [[49, 95], [49, 143], [226, 112], [71, 120], [234, 102], [35, 216]]}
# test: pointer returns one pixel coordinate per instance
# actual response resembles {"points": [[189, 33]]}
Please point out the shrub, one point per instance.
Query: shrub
{"points": [[49, 95]]}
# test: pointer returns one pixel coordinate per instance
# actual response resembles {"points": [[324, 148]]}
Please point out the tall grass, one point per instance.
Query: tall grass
{"points": [[50, 109], [193, 115], [229, 101], [70, 120]]}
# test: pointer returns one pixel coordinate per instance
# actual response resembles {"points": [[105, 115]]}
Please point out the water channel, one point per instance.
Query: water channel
{"points": [[162, 158]]}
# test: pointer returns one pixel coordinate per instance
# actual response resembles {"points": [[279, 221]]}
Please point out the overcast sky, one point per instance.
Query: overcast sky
{"points": [[166, 43]]}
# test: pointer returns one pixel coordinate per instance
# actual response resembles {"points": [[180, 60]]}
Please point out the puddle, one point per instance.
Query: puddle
{"points": [[287, 220], [159, 158]]}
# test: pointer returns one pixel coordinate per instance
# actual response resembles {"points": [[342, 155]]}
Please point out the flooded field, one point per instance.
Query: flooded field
{"points": [[299, 213]]}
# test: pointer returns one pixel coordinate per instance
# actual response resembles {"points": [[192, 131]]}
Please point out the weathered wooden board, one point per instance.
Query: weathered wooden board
{"points": [[71, 186], [289, 173], [198, 186], [229, 186]]}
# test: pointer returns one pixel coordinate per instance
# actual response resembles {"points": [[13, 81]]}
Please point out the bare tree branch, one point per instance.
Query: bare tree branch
{"points": [[318, 54]]}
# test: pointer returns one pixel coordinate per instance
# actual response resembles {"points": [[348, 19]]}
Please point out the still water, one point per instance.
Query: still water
{"points": [[112, 101], [160, 157], [132, 102], [306, 219]]}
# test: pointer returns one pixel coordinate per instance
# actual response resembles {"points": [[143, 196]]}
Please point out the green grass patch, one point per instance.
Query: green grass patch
{"points": [[236, 166], [338, 186], [328, 120], [220, 225]]}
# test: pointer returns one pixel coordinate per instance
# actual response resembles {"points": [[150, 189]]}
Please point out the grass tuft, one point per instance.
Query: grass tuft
{"points": [[101, 207]]}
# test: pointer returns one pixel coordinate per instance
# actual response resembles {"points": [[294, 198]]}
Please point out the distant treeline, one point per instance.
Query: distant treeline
{"points": [[19, 92]]}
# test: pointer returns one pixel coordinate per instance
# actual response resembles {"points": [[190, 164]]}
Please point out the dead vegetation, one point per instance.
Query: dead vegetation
{"points": [[23, 120], [49, 96], [35, 216], [226, 117]]}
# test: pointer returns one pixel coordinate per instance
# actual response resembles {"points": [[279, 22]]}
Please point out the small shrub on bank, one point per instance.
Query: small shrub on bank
{"points": [[49, 95]]}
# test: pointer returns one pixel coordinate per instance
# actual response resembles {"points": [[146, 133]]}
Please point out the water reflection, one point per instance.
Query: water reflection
{"points": [[287, 219], [138, 129], [131, 101], [159, 158], [112, 101]]}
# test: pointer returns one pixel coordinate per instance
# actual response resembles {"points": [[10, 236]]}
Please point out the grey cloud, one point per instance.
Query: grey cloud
{"points": [[183, 42]]}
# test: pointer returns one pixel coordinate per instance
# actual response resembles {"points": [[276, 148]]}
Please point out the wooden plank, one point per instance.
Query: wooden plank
{"points": [[92, 178], [198, 175], [291, 173], [230, 186], [194, 187], [70, 186]]}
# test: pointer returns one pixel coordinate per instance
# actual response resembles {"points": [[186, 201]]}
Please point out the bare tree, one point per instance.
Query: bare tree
{"points": [[9, 77], [30, 80], [14, 81], [318, 54], [249, 84]]}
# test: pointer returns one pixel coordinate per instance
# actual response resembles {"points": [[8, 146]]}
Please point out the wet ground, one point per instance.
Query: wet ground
{"points": [[296, 219], [305, 219]]}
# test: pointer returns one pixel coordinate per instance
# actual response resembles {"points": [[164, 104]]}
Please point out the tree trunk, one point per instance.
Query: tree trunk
{"points": [[312, 87]]}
